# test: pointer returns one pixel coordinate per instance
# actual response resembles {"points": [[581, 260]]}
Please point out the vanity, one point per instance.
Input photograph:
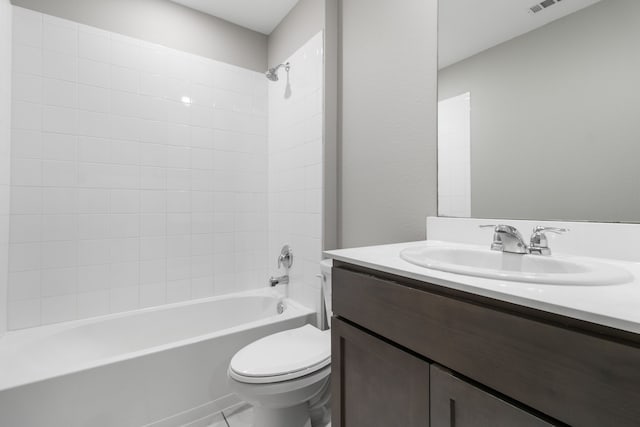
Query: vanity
{"points": [[417, 346], [537, 118]]}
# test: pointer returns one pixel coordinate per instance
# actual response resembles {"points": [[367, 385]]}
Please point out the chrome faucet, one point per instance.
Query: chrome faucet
{"points": [[539, 244], [507, 238], [285, 259], [282, 280]]}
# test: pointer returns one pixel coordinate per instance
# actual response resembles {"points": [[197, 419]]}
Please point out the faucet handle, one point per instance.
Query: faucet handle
{"points": [[286, 257], [539, 244], [500, 231], [496, 245], [501, 227], [543, 229]]}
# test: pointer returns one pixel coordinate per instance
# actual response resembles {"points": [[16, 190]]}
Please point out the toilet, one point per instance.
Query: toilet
{"points": [[285, 376]]}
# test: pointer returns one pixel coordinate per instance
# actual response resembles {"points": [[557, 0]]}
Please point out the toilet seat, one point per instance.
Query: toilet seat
{"points": [[283, 356]]}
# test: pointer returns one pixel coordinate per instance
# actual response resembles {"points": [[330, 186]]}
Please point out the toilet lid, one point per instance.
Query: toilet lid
{"points": [[283, 356]]}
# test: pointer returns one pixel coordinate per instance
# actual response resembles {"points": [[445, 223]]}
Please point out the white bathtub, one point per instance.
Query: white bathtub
{"points": [[162, 366]]}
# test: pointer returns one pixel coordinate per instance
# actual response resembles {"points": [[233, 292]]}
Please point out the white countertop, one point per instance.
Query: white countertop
{"points": [[616, 306]]}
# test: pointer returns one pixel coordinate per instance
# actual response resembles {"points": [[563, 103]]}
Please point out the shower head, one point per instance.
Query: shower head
{"points": [[272, 73]]}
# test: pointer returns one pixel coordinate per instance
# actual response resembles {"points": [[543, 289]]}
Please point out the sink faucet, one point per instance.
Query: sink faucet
{"points": [[539, 244], [507, 238]]}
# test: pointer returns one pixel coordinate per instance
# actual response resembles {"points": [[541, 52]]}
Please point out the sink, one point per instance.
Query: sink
{"points": [[550, 270]]}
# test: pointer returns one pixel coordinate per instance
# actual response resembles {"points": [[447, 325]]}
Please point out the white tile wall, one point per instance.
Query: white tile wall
{"points": [[295, 169], [139, 174], [5, 146]]}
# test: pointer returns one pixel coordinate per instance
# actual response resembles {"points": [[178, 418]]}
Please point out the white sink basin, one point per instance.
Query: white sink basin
{"points": [[551, 270]]}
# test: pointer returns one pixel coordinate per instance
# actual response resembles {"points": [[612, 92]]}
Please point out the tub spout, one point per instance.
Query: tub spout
{"points": [[282, 280]]}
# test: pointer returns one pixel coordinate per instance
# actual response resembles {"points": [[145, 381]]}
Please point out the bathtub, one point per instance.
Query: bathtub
{"points": [[162, 366]]}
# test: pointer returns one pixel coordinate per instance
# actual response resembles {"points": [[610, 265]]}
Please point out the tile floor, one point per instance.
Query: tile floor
{"points": [[241, 417]]}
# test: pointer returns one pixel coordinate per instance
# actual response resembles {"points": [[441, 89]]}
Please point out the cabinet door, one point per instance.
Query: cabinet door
{"points": [[376, 384], [456, 403]]}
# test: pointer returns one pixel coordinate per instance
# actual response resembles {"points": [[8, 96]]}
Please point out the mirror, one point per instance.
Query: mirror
{"points": [[539, 109]]}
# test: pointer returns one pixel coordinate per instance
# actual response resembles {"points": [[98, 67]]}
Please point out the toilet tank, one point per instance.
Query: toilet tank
{"points": [[325, 273]]}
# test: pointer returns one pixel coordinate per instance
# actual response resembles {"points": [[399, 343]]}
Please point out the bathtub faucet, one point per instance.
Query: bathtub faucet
{"points": [[285, 259], [282, 280]]}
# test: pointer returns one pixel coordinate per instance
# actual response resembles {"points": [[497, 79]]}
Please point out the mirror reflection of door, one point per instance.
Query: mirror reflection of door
{"points": [[454, 156]]}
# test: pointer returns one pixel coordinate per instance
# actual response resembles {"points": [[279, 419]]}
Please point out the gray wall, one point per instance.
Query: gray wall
{"points": [[304, 21], [388, 177], [331, 123], [555, 129], [165, 23], [5, 149]]}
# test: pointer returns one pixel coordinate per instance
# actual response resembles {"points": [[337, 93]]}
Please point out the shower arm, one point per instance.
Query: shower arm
{"points": [[287, 67]]}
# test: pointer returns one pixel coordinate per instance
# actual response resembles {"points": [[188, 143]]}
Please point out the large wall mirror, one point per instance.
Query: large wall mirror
{"points": [[539, 109]]}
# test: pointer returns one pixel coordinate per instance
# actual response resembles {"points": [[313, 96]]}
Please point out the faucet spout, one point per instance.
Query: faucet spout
{"points": [[281, 280]]}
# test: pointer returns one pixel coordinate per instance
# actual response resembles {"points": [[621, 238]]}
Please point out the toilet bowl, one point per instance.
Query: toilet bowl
{"points": [[285, 375]]}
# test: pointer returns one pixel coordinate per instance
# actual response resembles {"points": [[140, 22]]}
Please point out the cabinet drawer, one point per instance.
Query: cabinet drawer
{"points": [[577, 378], [456, 403], [374, 383]]}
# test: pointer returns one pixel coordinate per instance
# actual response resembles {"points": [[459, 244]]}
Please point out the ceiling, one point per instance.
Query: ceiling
{"points": [[468, 27], [259, 15]]}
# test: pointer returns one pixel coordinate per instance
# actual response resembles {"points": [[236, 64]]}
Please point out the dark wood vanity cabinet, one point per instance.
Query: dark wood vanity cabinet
{"points": [[381, 385], [407, 353], [457, 403]]}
